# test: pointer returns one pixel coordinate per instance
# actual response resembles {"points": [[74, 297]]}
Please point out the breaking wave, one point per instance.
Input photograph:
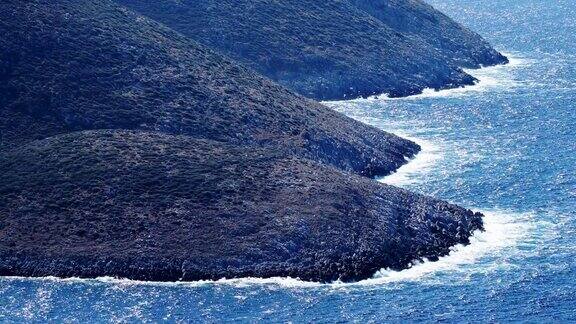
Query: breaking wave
{"points": [[424, 162], [491, 78]]}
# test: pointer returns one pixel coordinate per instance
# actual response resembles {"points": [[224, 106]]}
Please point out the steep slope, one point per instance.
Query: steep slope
{"points": [[415, 18], [72, 65], [161, 207], [322, 49]]}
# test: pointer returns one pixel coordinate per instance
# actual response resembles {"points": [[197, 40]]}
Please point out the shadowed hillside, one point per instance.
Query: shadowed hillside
{"points": [[75, 65], [160, 207], [332, 49]]}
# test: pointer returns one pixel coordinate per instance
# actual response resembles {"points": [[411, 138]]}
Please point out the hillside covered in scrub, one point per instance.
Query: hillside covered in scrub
{"points": [[330, 50], [128, 149], [161, 207], [78, 65]]}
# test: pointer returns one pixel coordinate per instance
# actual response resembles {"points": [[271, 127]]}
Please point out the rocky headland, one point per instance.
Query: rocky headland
{"points": [[331, 50], [129, 148], [151, 206], [418, 20]]}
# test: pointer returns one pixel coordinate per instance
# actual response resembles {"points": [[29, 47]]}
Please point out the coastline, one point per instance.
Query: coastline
{"points": [[81, 226], [423, 159]]}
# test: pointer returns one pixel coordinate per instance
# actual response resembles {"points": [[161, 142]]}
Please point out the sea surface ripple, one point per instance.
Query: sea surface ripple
{"points": [[505, 147]]}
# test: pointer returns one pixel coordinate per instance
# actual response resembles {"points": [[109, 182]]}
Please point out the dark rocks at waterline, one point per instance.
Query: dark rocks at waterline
{"points": [[329, 50], [151, 206], [72, 65]]}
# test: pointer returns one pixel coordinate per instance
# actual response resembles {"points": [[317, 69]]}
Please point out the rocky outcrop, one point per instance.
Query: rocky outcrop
{"points": [[330, 50], [72, 65], [151, 206]]}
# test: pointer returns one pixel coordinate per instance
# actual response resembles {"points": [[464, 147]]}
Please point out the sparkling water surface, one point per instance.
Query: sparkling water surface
{"points": [[506, 147]]}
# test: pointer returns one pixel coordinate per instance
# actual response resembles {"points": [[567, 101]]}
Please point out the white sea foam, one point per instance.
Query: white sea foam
{"points": [[491, 78], [120, 283], [424, 162], [504, 231]]}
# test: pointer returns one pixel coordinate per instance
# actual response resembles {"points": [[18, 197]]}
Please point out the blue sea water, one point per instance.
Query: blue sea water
{"points": [[506, 147]]}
